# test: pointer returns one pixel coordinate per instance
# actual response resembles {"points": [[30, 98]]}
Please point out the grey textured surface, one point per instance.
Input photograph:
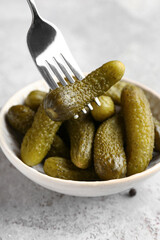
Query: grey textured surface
{"points": [[97, 31]]}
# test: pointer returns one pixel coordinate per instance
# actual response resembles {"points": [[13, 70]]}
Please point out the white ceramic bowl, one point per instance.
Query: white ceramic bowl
{"points": [[76, 188]]}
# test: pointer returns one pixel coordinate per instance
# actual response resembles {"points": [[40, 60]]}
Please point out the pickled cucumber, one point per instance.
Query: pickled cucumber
{"points": [[157, 134], [58, 148], [38, 139], [65, 102], [64, 169], [20, 118], [115, 91], [81, 133], [139, 129], [34, 99], [106, 110], [109, 155]]}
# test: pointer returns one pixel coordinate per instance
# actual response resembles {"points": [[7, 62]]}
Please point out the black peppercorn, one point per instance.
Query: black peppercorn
{"points": [[132, 192]]}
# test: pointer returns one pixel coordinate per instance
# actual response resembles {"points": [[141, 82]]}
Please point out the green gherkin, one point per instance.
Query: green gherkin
{"points": [[65, 102], [34, 99], [20, 118], [63, 168], [115, 91], [109, 155], [38, 139], [58, 148], [157, 134], [139, 129], [81, 133], [105, 110]]}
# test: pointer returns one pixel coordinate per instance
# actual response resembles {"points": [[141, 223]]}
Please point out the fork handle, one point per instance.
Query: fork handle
{"points": [[33, 8]]}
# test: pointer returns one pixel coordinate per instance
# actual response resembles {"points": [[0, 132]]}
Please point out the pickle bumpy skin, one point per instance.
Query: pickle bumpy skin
{"points": [[81, 133], [109, 155], [139, 129], [20, 118], [65, 102], [38, 139], [64, 169]]}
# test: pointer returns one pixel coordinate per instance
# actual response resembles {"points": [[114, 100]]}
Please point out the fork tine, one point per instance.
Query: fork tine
{"points": [[76, 116], [57, 74], [75, 72], [48, 77], [64, 70], [97, 101], [90, 106], [84, 111], [49, 73]]}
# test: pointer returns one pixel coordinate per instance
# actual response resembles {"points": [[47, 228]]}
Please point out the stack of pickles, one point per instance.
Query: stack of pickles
{"points": [[114, 140]]}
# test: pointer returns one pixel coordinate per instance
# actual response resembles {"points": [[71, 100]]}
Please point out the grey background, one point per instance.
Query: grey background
{"points": [[96, 31]]}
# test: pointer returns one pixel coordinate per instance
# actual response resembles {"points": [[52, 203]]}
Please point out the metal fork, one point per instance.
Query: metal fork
{"points": [[51, 53]]}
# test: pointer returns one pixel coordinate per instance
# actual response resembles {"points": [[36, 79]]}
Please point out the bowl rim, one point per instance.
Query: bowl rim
{"points": [[23, 168]]}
